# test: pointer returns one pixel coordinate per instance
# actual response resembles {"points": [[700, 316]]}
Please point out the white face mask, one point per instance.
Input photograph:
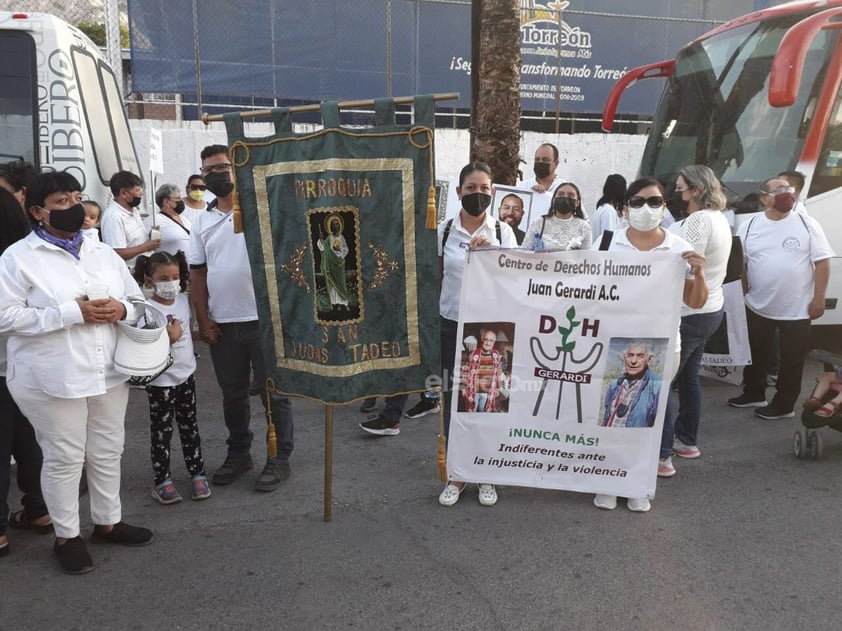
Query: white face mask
{"points": [[168, 290], [645, 218]]}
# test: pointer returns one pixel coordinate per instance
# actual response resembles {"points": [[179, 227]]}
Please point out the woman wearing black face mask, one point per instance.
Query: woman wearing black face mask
{"points": [[60, 298], [564, 226], [171, 220]]}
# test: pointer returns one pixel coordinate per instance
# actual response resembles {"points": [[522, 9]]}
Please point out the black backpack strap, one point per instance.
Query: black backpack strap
{"points": [[543, 223], [605, 243], [445, 234], [498, 231]]}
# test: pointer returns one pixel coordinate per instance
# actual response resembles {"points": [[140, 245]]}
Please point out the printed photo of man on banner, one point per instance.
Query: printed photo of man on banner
{"points": [[579, 387]]}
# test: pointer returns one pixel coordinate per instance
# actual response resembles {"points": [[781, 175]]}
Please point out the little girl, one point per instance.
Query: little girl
{"points": [[172, 396]]}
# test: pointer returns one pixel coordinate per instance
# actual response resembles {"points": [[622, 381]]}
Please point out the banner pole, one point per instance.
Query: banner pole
{"points": [[328, 504], [343, 105]]}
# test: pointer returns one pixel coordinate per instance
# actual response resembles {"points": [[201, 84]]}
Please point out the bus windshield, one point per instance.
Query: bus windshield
{"points": [[715, 108]]}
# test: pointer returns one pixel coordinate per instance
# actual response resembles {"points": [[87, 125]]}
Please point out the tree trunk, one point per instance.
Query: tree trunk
{"points": [[495, 87]]}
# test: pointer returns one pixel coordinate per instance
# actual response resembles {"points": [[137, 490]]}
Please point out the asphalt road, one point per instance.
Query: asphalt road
{"points": [[742, 538]]}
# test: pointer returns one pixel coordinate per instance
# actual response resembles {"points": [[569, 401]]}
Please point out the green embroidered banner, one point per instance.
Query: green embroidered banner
{"points": [[345, 271]]}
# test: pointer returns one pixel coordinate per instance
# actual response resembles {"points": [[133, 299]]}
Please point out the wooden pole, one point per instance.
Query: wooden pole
{"points": [[328, 507], [343, 105]]}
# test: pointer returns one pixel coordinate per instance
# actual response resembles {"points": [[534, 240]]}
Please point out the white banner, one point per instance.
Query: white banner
{"points": [[560, 369], [728, 347]]}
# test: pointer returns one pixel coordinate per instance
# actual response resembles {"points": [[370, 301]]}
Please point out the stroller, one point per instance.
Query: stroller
{"points": [[819, 412]]}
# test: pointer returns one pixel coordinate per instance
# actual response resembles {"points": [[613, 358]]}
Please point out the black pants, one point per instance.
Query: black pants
{"points": [[168, 404], [793, 343], [17, 439]]}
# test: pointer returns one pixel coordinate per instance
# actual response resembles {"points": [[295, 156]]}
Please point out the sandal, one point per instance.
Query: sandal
{"points": [[22, 520], [813, 403], [828, 409]]}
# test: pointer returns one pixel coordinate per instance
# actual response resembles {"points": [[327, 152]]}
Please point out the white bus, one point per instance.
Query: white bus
{"points": [[60, 106]]}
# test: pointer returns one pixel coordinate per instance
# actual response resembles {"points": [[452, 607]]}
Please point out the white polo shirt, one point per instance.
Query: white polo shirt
{"points": [[213, 244], [455, 250], [122, 228]]}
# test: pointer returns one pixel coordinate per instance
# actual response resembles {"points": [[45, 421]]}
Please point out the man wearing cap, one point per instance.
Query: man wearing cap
{"points": [[226, 310], [787, 258]]}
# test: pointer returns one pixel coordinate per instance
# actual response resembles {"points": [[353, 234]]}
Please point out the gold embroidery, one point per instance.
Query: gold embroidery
{"points": [[293, 267], [383, 265]]}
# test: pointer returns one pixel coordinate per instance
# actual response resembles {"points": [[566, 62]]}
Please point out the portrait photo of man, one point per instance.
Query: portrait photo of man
{"points": [[631, 397]]}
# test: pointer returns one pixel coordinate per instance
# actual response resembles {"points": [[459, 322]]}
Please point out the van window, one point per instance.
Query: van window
{"points": [[96, 114], [18, 98]]}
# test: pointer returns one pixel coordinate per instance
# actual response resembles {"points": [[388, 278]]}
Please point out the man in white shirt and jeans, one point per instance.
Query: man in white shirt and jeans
{"points": [[787, 259], [226, 310]]}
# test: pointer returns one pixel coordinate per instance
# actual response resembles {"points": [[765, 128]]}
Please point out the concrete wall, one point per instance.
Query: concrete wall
{"points": [[585, 159]]}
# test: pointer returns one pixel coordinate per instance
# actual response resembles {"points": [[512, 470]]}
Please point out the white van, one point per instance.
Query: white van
{"points": [[60, 106]]}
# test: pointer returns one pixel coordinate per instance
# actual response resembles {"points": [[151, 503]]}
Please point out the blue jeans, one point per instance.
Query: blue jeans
{"points": [[238, 350], [695, 331]]}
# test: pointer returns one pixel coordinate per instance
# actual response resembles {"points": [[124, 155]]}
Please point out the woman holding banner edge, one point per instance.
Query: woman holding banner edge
{"points": [[644, 211], [472, 228]]}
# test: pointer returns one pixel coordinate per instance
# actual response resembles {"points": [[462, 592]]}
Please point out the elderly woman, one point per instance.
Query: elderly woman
{"points": [[60, 298], [171, 220], [709, 232], [564, 226]]}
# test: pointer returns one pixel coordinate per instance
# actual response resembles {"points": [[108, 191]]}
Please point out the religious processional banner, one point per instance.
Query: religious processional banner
{"points": [[563, 366], [344, 269]]}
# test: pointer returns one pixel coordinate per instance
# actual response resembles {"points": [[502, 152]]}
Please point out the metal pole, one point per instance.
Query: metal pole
{"points": [[114, 48], [198, 64], [389, 47], [558, 77], [328, 505]]}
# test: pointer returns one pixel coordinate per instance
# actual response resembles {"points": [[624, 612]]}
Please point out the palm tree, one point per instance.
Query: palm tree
{"points": [[495, 86]]}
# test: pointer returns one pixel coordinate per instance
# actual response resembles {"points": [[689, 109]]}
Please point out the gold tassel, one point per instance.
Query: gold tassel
{"points": [[238, 214], [431, 208], [442, 459], [271, 437]]}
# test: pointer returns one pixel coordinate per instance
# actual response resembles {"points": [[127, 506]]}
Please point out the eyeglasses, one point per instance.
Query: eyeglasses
{"points": [[777, 191], [222, 167], [656, 201], [197, 187]]}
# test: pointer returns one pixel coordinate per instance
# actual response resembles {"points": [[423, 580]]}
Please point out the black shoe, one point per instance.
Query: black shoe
{"points": [[368, 405], [381, 426], [73, 556], [424, 407], [234, 466], [746, 401], [122, 534], [274, 474], [771, 412]]}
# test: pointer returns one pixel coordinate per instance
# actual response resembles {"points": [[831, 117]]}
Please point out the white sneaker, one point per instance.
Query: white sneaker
{"points": [[685, 451], [605, 502], [450, 495], [640, 505], [487, 495], [665, 468]]}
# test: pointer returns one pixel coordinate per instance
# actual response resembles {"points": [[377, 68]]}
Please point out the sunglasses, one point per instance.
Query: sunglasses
{"points": [[197, 187], [656, 201]]}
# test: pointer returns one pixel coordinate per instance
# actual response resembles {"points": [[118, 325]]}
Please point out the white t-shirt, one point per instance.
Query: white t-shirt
{"points": [[213, 244], [710, 235], [780, 257], [184, 362], [605, 218], [174, 236], [123, 228], [557, 232], [455, 249], [671, 243], [191, 214]]}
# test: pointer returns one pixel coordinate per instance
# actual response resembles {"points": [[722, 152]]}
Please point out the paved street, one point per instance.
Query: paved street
{"points": [[744, 538]]}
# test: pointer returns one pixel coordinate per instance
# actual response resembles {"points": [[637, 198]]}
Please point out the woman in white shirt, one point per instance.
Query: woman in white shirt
{"points": [[609, 208], [706, 228], [564, 226], [61, 296], [171, 220]]}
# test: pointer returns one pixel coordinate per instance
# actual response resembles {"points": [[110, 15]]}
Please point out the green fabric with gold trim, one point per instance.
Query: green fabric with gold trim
{"points": [[344, 270]]}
